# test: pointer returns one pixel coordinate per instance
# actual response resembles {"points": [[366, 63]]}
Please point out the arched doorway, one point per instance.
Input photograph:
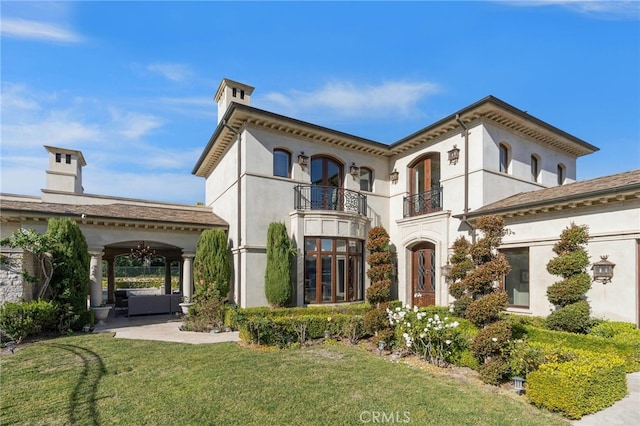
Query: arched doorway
{"points": [[326, 183], [423, 274]]}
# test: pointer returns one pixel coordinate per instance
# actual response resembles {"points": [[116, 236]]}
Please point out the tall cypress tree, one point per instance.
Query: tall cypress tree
{"points": [[277, 280], [70, 281], [212, 264]]}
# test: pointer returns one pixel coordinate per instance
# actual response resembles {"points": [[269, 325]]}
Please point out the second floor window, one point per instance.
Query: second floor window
{"points": [[535, 168], [281, 163], [561, 174], [366, 179], [504, 158]]}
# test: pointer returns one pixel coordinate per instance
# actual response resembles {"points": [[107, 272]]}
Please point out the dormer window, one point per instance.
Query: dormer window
{"points": [[58, 157]]}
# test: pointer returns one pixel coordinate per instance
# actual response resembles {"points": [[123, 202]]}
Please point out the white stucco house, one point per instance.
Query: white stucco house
{"points": [[426, 189], [330, 188]]}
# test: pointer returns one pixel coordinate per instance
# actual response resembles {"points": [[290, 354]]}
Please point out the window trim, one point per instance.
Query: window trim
{"points": [[282, 151]]}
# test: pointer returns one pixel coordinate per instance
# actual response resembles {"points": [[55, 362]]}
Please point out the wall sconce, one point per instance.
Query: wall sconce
{"points": [[393, 176], [303, 160], [603, 270], [446, 271], [454, 155], [354, 170]]}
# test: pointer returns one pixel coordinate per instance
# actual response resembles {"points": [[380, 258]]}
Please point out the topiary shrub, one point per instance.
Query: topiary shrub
{"points": [[277, 281], [476, 269], [569, 294], [574, 318], [609, 329], [380, 266]]}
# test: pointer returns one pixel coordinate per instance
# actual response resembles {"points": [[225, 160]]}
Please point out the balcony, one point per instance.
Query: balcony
{"points": [[423, 203], [317, 197]]}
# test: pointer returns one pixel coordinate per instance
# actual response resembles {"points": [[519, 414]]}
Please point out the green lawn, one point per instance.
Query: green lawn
{"points": [[97, 379]]}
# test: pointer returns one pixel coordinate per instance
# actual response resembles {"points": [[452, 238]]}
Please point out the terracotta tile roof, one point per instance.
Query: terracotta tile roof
{"points": [[174, 215], [592, 188]]}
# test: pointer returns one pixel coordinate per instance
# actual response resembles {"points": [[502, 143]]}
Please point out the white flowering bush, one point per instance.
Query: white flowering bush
{"points": [[436, 339]]}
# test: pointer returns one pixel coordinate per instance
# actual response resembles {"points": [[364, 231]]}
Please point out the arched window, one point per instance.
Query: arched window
{"points": [[535, 168], [281, 163], [561, 174], [326, 181], [366, 179], [504, 158], [424, 186]]}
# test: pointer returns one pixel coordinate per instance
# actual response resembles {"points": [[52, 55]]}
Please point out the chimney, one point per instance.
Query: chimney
{"points": [[231, 91], [65, 170]]}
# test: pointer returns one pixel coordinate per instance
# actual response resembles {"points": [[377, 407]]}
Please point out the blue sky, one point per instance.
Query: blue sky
{"points": [[132, 84]]}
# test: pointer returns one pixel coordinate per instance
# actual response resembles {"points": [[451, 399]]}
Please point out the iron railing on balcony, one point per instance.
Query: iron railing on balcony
{"points": [[423, 203], [318, 197]]}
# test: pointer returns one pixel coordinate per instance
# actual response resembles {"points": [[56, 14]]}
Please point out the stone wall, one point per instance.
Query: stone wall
{"points": [[13, 287]]}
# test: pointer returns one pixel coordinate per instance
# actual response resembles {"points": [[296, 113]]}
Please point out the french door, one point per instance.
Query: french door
{"points": [[326, 181], [423, 278]]}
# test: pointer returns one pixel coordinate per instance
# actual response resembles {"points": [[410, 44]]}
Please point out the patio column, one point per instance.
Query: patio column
{"points": [[95, 277], [180, 278], [187, 275], [111, 280], [167, 276]]}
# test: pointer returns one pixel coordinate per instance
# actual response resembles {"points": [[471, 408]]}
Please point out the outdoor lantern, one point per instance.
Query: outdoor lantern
{"points": [[393, 176], [381, 345], [454, 155], [327, 334], [603, 270], [446, 270], [354, 170], [303, 160], [518, 384]]}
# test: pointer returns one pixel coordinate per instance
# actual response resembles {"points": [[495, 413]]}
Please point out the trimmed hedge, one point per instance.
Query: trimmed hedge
{"points": [[20, 320], [284, 331], [625, 345], [590, 383]]}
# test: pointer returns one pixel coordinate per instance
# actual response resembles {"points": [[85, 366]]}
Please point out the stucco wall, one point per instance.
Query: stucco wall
{"points": [[614, 229]]}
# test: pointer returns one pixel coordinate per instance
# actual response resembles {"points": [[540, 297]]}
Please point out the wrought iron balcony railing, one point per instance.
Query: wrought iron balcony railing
{"points": [[423, 203], [317, 197]]}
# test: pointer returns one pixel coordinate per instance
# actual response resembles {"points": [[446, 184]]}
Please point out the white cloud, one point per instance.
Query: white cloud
{"points": [[134, 125], [607, 8], [58, 129], [173, 72], [347, 99], [36, 30]]}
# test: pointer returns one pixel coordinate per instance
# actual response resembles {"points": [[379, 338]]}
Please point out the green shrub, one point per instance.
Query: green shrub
{"points": [[20, 320], [376, 320], [570, 290], [573, 318], [624, 345], [610, 329], [277, 282], [495, 371], [569, 264], [208, 311], [353, 329], [590, 383], [380, 266], [487, 309], [379, 292], [491, 341], [284, 331], [212, 263]]}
